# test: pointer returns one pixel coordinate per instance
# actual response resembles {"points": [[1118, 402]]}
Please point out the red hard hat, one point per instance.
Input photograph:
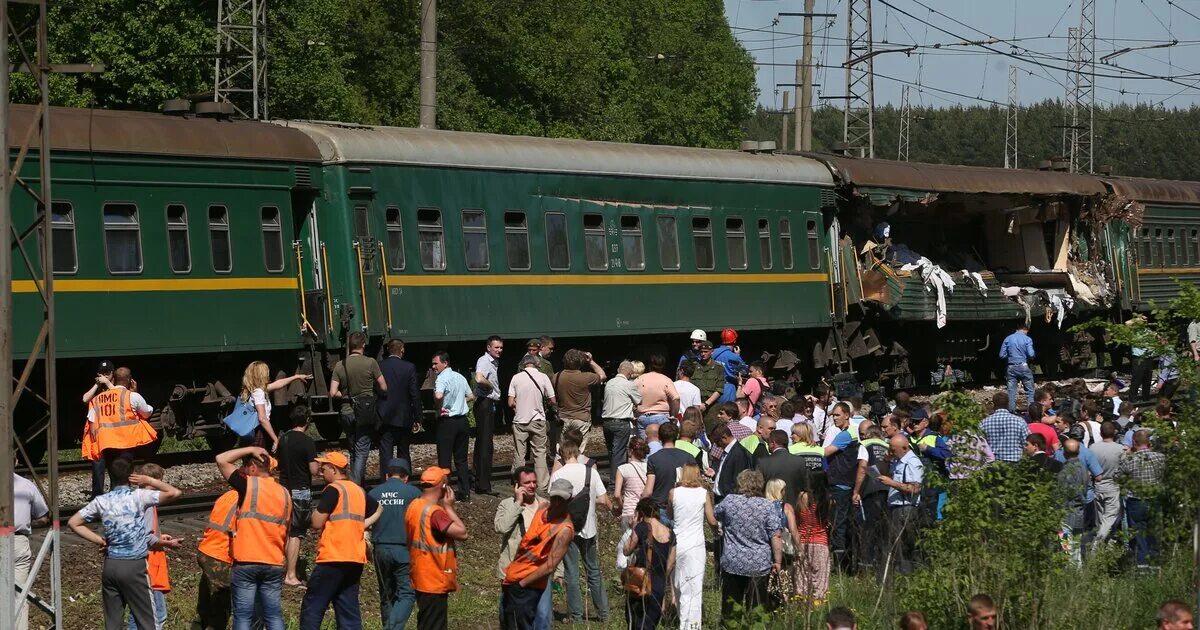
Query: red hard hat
{"points": [[728, 335]]}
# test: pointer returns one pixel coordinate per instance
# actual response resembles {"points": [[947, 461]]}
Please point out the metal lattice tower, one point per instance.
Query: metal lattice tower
{"points": [[1083, 105], [241, 72], [1010, 121], [905, 124], [858, 130], [1070, 101]]}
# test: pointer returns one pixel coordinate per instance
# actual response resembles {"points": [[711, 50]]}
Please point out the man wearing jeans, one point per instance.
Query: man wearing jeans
{"points": [[355, 381], [1142, 470], [390, 539], [1017, 350], [528, 392], [621, 398], [263, 516], [588, 486]]}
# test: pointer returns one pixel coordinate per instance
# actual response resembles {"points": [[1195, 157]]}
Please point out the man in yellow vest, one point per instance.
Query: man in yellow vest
{"points": [[264, 511], [341, 515], [433, 527]]}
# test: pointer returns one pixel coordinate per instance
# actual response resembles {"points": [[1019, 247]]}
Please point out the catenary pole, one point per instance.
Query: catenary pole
{"points": [[428, 64]]}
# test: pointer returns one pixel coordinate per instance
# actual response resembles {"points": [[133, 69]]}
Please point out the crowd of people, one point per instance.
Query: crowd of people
{"points": [[791, 487]]}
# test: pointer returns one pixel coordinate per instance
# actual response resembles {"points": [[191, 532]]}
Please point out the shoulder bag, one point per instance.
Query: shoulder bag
{"points": [[547, 406], [636, 580], [244, 418]]}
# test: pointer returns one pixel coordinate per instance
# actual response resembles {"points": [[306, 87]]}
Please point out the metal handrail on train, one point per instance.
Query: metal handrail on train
{"points": [[387, 292], [328, 291], [362, 286]]}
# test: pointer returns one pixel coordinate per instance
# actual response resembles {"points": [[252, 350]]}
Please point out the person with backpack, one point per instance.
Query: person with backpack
{"points": [[354, 381], [589, 491]]}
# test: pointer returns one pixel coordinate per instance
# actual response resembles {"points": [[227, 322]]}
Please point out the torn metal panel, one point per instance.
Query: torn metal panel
{"points": [[944, 178], [1156, 191]]}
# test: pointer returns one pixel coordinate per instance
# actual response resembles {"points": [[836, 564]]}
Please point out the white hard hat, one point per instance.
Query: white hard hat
{"points": [[698, 335]]}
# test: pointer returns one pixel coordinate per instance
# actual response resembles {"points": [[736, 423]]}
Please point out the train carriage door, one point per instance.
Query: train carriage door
{"points": [[371, 305], [816, 257]]}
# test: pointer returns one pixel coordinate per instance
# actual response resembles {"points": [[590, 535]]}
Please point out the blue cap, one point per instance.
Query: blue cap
{"points": [[399, 465]]}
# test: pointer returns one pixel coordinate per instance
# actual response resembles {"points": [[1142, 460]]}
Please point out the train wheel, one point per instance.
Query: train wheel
{"points": [[329, 428]]}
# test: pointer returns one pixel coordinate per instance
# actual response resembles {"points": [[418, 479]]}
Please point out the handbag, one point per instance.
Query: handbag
{"points": [[244, 418], [636, 580]]}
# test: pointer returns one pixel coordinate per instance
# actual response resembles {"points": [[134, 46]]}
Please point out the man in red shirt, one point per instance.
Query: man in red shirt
{"points": [[1040, 427]]}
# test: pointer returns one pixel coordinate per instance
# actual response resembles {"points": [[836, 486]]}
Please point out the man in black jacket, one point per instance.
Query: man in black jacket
{"points": [[400, 412], [781, 464], [735, 460]]}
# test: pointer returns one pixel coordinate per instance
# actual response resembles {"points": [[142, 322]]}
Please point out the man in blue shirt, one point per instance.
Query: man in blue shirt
{"points": [[1017, 349], [451, 392], [904, 497], [390, 540], [124, 581]]}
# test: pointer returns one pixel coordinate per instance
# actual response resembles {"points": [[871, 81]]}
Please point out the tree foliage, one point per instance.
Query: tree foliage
{"points": [[656, 71], [1137, 140]]}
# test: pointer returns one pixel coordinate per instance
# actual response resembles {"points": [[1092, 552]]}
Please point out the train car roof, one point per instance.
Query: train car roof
{"points": [[342, 143], [111, 131], [1159, 191], [945, 178]]}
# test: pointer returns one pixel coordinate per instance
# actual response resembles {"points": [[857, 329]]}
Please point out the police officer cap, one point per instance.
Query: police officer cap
{"points": [[399, 466], [706, 345], [533, 343]]}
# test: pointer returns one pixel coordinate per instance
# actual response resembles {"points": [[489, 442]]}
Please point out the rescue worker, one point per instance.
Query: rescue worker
{"points": [[264, 511], [433, 527], [542, 548], [756, 443], [804, 445], [930, 446], [693, 354], [216, 560], [89, 449], [729, 355], [341, 515], [709, 378], [117, 420], [390, 542], [871, 497]]}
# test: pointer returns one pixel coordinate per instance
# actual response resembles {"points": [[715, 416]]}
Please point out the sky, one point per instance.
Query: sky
{"points": [[1035, 30]]}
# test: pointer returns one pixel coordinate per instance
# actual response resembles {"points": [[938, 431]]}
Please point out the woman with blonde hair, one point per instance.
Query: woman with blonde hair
{"points": [[774, 492], [690, 506], [255, 385]]}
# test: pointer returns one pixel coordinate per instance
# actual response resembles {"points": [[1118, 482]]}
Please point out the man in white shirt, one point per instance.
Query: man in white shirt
{"points": [[487, 401], [689, 394], [528, 392], [585, 479], [746, 419]]}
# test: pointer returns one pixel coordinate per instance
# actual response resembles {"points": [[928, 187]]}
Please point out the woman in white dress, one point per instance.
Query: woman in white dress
{"points": [[691, 506]]}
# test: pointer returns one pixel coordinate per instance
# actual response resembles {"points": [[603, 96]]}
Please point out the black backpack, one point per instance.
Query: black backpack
{"points": [[581, 503]]}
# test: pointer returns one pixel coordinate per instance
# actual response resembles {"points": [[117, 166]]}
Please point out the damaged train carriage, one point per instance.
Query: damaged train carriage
{"points": [[936, 264]]}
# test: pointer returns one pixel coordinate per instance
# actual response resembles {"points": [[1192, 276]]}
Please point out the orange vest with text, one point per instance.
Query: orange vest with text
{"points": [[262, 522], [534, 550], [156, 561], [222, 522], [342, 539], [433, 565], [118, 424]]}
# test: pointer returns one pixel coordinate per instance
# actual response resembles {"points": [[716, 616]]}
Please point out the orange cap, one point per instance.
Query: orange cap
{"points": [[333, 458], [433, 475]]}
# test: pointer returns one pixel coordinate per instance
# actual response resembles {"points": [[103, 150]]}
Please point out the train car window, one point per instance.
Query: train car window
{"points": [[735, 242], [362, 222], [668, 243], [1191, 246], [62, 230], [785, 242], [558, 247], [1158, 255], [395, 239], [594, 247], [475, 241], [632, 250], [1143, 246], [764, 244], [272, 233], [814, 245], [516, 240], [122, 238], [1169, 249], [702, 243], [218, 238], [431, 239], [179, 245]]}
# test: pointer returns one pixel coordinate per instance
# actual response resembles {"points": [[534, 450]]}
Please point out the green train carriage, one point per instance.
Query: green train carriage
{"points": [[172, 255]]}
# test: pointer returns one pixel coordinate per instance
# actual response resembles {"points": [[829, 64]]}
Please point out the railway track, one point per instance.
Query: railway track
{"points": [[166, 460]]}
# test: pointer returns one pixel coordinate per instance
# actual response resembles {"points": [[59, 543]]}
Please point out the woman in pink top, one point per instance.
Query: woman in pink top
{"points": [[631, 480], [660, 399]]}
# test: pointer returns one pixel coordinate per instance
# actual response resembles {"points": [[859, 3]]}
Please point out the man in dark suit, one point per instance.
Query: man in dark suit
{"points": [[781, 464], [400, 412], [735, 460]]}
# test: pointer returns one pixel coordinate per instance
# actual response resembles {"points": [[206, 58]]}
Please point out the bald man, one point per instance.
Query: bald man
{"points": [[904, 495]]}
